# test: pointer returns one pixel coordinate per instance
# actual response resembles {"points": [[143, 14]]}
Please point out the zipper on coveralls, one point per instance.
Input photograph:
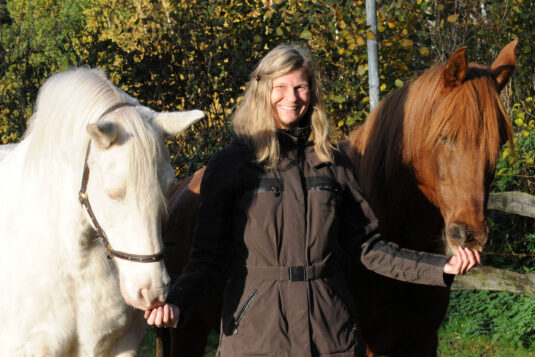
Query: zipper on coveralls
{"points": [[301, 158], [246, 304]]}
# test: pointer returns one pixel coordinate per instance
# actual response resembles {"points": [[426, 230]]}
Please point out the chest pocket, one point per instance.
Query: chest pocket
{"points": [[259, 196], [255, 187], [331, 190], [323, 183]]}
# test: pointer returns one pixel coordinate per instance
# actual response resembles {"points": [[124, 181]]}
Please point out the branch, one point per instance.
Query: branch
{"points": [[489, 278], [513, 202]]}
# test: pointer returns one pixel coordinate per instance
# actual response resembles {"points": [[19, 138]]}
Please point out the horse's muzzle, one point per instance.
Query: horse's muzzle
{"points": [[460, 234]]}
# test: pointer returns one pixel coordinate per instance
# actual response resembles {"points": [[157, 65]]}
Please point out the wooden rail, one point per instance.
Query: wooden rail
{"points": [[513, 202], [489, 278], [494, 279]]}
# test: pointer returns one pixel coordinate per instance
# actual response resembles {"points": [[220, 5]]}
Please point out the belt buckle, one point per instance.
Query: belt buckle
{"points": [[298, 273]]}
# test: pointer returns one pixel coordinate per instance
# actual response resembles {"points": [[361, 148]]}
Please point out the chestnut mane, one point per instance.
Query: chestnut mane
{"points": [[422, 113]]}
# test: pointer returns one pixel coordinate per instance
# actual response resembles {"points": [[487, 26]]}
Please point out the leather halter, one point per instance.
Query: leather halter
{"points": [[84, 200]]}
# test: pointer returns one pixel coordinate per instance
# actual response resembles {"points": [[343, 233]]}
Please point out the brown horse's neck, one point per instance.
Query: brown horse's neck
{"points": [[405, 215]]}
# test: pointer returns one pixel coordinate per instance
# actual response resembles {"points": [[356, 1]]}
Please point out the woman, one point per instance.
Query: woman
{"points": [[279, 211]]}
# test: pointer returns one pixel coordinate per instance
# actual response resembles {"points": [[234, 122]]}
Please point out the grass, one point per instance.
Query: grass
{"points": [[453, 344], [484, 323]]}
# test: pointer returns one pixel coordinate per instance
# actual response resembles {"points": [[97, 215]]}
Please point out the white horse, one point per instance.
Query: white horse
{"points": [[92, 168]]}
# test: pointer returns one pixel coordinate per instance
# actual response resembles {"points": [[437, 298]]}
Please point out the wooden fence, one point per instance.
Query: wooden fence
{"points": [[489, 278]]}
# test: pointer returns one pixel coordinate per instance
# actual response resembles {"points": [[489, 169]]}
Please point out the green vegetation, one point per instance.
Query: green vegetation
{"points": [[453, 344], [178, 54], [147, 347], [185, 54], [490, 317]]}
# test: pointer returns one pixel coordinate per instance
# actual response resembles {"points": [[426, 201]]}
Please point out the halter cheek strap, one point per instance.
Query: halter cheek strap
{"points": [[84, 200]]}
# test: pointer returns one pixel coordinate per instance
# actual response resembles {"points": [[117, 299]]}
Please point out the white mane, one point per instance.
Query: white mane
{"points": [[59, 122], [66, 103]]}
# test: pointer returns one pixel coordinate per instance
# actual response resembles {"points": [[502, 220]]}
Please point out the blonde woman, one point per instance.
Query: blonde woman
{"points": [[278, 205]]}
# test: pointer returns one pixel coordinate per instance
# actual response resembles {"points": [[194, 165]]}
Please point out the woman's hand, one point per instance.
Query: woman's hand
{"points": [[463, 261], [163, 316]]}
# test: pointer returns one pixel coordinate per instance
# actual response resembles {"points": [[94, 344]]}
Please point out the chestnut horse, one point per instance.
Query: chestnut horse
{"points": [[425, 158]]}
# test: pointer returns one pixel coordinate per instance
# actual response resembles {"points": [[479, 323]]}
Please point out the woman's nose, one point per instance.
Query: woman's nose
{"points": [[291, 94]]}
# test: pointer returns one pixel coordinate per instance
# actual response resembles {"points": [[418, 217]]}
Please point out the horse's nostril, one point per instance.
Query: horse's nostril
{"points": [[460, 233], [469, 237], [455, 231]]}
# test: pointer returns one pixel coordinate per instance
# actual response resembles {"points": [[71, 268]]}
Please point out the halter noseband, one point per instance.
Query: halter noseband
{"points": [[84, 200]]}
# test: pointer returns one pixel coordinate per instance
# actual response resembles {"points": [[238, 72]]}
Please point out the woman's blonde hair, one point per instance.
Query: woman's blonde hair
{"points": [[253, 121]]}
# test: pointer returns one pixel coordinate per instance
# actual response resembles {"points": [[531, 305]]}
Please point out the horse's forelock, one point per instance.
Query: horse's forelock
{"points": [[463, 115], [147, 152]]}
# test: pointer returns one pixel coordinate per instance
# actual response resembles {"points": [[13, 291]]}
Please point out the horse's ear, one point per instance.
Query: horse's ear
{"points": [[504, 65], [172, 123], [103, 133], [455, 71]]}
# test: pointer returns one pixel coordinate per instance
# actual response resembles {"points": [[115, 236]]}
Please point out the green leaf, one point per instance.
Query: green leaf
{"points": [[307, 35], [453, 18], [339, 98], [424, 51], [406, 43]]}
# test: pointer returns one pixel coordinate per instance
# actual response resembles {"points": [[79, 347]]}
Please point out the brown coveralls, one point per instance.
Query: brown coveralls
{"points": [[278, 235]]}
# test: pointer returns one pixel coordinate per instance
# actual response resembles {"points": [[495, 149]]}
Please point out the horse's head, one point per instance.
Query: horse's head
{"points": [[129, 173], [454, 152]]}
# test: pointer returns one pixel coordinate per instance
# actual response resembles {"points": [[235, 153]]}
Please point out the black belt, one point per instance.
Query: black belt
{"points": [[291, 273]]}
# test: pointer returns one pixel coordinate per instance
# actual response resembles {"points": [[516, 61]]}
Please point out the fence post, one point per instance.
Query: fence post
{"points": [[373, 57]]}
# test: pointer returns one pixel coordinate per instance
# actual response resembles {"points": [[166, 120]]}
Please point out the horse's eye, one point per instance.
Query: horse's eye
{"points": [[447, 140], [116, 194]]}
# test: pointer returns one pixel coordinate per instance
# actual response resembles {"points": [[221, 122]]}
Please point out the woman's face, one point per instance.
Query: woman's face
{"points": [[290, 98]]}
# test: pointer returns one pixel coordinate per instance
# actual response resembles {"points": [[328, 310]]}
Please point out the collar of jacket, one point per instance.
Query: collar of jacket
{"points": [[294, 137], [297, 138]]}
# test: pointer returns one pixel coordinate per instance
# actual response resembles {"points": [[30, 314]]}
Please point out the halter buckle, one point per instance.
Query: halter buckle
{"points": [[82, 196]]}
